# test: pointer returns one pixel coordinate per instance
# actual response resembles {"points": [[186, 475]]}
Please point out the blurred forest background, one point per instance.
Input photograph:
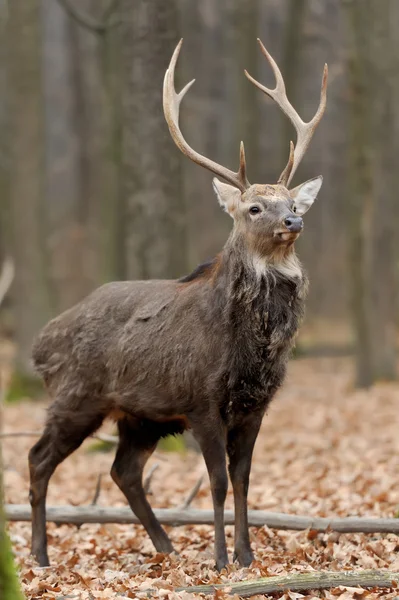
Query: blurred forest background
{"points": [[93, 188]]}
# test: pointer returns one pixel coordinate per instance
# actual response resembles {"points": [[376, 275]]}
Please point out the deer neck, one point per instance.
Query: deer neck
{"points": [[241, 258]]}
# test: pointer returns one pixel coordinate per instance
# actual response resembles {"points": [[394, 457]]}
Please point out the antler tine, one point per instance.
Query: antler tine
{"points": [[288, 168], [304, 130], [242, 171], [171, 105]]}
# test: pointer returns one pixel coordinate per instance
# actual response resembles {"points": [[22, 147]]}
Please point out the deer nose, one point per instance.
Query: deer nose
{"points": [[294, 224]]}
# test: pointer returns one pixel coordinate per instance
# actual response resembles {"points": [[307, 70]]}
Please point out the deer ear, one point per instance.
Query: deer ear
{"points": [[305, 194], [228, 196]]}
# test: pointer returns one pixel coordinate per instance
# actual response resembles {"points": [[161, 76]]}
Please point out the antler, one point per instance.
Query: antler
{"points": [[171, 105], [304, 130]]}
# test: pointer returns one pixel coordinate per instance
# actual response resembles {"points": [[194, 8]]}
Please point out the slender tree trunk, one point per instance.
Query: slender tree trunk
{"points": [[293, 38], [4, 174], [151, 163], [384, 276], [372, 235], [63, 173], [361, 184], [246, 99], [113, 235], [33, 301]]}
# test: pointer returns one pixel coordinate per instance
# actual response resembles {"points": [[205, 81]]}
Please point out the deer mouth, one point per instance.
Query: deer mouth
{"points": [[286, 236]]}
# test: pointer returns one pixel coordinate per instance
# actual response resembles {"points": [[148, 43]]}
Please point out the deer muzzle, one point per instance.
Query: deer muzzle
{"points": [[294, 224]]}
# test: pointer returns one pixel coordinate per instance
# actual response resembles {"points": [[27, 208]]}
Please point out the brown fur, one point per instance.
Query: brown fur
{"points": [[205, 352]]}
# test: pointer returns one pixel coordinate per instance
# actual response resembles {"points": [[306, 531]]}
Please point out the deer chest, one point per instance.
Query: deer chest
{"points": [[265, 331]]}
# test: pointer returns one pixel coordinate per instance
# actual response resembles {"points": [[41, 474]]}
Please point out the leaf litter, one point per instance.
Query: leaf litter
{"points": [[325, 449]]}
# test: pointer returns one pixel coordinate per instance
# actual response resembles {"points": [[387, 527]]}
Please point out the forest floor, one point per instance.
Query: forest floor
{"points": [[325, 449]]}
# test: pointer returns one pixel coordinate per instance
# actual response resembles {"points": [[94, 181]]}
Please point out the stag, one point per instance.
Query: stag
{"points": [[206, 352]]}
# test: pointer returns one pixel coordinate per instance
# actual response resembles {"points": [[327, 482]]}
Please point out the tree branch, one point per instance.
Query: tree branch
{"points": [[7, 434], [6, 278], [99, 27], [180, 516], [148, 479], [103, 437], [97, 491], [192, 493], [301, 581]]}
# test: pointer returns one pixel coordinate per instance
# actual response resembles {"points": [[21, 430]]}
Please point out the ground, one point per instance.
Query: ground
{"points": [[324, 449]]}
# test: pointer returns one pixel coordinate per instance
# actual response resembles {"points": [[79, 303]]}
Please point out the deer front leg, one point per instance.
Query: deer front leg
{"points": [[240, 445], [213, 447]]}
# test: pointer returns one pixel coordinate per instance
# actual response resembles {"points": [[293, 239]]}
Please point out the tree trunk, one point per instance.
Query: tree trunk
{"points": [[384, 275], [372, 235], [290, 66], [33, 298], [151, 163]]}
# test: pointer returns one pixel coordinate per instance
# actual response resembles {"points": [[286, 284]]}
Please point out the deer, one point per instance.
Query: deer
{"points": [[206, 352]]}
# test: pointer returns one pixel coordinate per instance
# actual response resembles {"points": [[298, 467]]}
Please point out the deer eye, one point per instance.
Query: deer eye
{"points": [[254, 210], [293, 208]]}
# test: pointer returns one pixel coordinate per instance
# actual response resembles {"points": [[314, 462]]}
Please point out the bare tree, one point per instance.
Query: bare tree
{"points": [[371, 232], [33, 295], [156, 245]]}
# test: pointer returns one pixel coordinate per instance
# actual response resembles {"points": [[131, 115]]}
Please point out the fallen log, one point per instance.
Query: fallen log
{"points": [[297, 582], [77, 515]]}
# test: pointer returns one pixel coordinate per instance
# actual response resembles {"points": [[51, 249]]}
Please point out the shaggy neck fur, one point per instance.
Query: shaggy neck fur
{"points": [[262, 261], [263, 307]]}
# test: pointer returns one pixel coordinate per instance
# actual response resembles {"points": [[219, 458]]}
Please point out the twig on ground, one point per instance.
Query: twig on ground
{"points": [[297, 582], [179, 516], [192, 494], [105, 437], [7, 434], [148, 479], [102, 437], [97, 490]]}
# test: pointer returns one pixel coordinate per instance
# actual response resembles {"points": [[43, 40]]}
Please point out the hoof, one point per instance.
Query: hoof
{"points": [[41, 558], [221, 563], [244, 557]]}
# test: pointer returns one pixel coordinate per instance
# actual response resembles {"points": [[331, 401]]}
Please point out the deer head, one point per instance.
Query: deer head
{"points": [[269, 216]]}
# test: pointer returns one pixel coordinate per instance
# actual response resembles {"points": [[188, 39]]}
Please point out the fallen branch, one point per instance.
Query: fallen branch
{"points": [[192, 493], [148, 479], [301, 581], [103, 437], [180, 516], [97, 491], [7, 434]]}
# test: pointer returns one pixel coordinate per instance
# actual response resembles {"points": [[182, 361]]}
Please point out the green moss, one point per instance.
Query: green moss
{"points": [[172, 443], [24, 386], [101, 446], [9, 583]]}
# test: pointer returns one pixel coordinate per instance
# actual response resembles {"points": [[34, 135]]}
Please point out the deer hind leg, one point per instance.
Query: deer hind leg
{"points": [[137, 441], [64, 432]]}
